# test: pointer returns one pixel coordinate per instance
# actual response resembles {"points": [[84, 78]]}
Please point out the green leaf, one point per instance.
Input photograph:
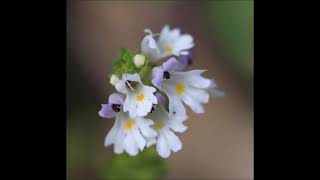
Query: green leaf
{"points": [[123, 63]]}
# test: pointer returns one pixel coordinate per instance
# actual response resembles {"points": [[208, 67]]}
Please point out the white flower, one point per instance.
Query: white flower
{"points": [[170, 42], [139, 97], [188, 87], [165, 124], [150, 47], [129, 134]]}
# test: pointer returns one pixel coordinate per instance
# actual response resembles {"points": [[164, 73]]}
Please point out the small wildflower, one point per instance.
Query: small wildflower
{"points": [[139, 97], [142, 118], [128, 134], [165, 125], [170, 42], [189, 87], [114, 105]]}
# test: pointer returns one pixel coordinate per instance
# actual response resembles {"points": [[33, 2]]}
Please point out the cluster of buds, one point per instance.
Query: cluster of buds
{"points": [[149, 105]]}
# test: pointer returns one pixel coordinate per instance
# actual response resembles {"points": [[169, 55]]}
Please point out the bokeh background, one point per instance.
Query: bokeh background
{"points": [[218, 143]]}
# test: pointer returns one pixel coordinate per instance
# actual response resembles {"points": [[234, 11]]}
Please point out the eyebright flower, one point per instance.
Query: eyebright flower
{"points": [[139, 97], [114, 105], [170, 42], [128, 134], [165, 124], [189, 87], [142, 118]]}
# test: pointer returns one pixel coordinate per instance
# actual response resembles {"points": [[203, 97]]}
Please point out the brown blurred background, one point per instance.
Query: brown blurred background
{"points": [[218, 143]]}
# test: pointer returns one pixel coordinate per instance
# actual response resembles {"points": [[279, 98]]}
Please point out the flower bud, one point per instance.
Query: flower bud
{"points": [[114, 79], [139, 60]]}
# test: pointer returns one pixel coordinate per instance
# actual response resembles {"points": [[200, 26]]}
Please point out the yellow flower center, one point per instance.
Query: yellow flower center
{"points": [[180, 89], [167, 48], [140, 98], [159, 125], [129, 124]]}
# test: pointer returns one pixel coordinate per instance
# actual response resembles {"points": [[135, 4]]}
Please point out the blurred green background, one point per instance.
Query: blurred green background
{"points": [[218, 144]]}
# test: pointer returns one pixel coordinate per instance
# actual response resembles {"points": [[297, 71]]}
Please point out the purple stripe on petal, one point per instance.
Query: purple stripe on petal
{"points": [[160, 99], [106, 111], [156, 82], [170, 65], [183, 63], [157, 76]]}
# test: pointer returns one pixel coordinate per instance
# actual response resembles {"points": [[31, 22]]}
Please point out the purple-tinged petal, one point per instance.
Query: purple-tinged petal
{"points": [[157, 76], [156, 82], [106, 111], [185, 61], [160, 99], [170, 65], [116, 98]]}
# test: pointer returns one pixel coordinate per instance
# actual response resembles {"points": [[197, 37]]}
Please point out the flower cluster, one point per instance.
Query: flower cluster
{"points": [[149, 103]]}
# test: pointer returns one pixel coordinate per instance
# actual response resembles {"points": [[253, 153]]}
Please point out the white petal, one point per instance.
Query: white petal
{"points": [[150, 48], [149, 91], [184, 42], [112, 135], [175, 106], [144, 126], [173, 140], [151, 141], [194, 78], [162, 146], [130, 145], [174, 35], [119, 143], [200, 95], [140, 141], [192, 103], [144, 107], [130, 106], [177, 125], [179, 117], [121, 86], [164, 34], [131, 77]]}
